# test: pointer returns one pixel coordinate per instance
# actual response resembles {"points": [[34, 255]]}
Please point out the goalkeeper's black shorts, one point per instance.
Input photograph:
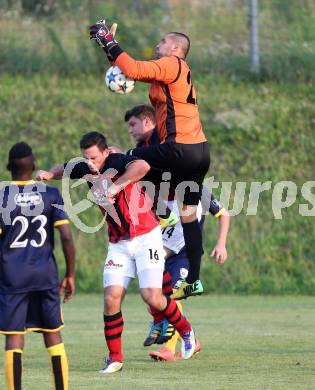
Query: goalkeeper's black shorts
{"points": [[188, 165]]}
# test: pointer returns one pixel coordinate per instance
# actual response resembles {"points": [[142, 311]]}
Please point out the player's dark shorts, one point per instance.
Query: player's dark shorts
{"points": [[178, 266], [185, 162], [37, 311]]}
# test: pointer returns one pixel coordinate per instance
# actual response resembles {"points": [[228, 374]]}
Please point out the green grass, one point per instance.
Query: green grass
{"points": [[247, 343], [257, 131], [55, 39], [260, 128]]}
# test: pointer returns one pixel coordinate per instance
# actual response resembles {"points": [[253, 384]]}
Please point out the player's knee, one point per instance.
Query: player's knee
{"points": [[188, 218], [14, 341], [188, 213], [146, 296], [111, 303], [52, 338], [155, 299]]}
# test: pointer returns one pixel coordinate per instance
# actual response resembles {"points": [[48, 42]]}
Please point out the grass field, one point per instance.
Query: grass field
{"points": [[258, 132], [247, 343], [261, 129]]}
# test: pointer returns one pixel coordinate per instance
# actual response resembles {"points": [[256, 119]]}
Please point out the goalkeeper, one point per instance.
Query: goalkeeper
{"points": [[184, 150]]}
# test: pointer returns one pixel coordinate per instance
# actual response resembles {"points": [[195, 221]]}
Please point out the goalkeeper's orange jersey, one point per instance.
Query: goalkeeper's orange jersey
{"points": [[172, 94]]}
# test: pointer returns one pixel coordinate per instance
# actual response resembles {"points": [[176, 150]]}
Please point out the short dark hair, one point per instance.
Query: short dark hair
{"points": [[184, 39], [141, 111], [21, 158], [93, 138]]}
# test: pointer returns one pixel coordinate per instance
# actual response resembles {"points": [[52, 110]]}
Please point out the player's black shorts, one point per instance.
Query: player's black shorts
{"points": [[178, 266], [38, 311], [187, 163]]}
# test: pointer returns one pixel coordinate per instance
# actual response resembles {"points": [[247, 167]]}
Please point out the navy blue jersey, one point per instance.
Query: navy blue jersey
{"points": [[29, 211]]}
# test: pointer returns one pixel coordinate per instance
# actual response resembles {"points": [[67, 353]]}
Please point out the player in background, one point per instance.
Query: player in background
{"points": [[177, 266], [135, 240], [29, 287], [184, 151], [141, 126], [141, 121]]}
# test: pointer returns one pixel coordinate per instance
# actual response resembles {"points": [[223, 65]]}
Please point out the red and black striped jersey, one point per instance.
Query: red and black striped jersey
{"points": [[29, 212], [172, 95], [131, 215]]}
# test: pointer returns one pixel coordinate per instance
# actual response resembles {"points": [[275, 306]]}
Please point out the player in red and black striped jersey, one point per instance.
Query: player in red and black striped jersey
{"points": [[135, 239], [29, 287], [184, 150], [122, 216]]}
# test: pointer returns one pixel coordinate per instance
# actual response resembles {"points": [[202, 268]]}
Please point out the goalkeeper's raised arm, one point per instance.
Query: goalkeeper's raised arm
{"points": [[165, 66]]}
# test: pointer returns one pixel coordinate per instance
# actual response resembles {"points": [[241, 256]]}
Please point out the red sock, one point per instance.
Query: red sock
{"points": [[157, 315], [175, 317], [113, 327], [167, 287]]}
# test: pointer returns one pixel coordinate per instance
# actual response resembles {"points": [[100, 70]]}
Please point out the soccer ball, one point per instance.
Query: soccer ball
{"points": [[117, 82]]}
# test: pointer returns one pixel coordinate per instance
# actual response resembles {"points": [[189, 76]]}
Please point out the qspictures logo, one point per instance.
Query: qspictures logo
{"points": [[239, 197]]}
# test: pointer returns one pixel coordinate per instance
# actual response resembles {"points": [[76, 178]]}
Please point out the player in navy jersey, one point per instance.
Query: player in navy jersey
{"points": [[177, 267], [135, 240], [29, 286]]}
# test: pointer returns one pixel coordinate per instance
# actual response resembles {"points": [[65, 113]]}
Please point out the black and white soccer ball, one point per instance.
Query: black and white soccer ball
{"points": [[117, 82]]}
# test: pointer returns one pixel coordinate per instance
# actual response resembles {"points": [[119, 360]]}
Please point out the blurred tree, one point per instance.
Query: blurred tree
{"points": [[39, 7]]}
